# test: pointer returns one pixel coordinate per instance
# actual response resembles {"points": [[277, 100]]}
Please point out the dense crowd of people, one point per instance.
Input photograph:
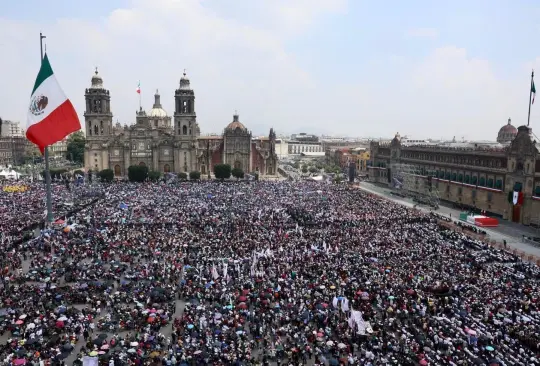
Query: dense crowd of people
{"points": [[259, 273]]}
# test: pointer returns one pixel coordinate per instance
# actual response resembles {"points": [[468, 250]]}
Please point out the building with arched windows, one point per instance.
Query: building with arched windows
{"points": [[473, 175], [168, 144]]}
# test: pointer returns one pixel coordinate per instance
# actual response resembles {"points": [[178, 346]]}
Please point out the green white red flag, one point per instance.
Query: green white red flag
{"points": [[51, 116]]}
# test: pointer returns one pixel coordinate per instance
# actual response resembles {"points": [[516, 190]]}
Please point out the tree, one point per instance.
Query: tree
{"points": [[75, 147], [137, 173], [304, 169], [182, 176], [222, 171], [313, 170], [55, 173], [237, 173], [154, 175], [78, 172], [89, 175], [106, 175], [255, 175], [194, 175]]}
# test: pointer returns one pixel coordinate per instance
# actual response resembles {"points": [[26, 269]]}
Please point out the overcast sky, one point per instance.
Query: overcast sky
{"points": [[360, 68]]}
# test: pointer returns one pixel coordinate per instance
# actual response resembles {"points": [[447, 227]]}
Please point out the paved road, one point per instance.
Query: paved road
{"points": [[508, 231]]}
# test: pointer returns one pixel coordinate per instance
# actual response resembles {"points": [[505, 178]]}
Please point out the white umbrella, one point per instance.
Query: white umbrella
{"points": [[134, 344], [341, 345], [22, 317], [62, 319]]}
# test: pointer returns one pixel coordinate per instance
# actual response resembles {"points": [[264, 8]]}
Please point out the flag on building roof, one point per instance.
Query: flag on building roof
{"points": [[139, 87], [51, 116]]}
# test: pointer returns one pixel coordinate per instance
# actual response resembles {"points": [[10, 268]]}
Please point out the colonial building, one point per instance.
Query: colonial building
{"points": [[474, 175], [168, 144]]}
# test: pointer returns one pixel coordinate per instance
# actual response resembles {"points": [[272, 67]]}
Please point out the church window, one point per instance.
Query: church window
{"points": [[90, 130], [184, 130], [101, 127], [96, 130], [184, 107]]}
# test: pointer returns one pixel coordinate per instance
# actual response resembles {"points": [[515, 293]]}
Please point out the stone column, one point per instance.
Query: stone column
{"points": [[177, 168], [105, 159], [155, 158]]}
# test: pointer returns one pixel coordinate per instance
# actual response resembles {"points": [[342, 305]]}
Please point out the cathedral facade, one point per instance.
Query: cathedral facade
{"points": [[165, 144]]}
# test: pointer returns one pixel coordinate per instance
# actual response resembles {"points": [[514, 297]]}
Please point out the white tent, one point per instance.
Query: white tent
{"points": [[9, 174]]}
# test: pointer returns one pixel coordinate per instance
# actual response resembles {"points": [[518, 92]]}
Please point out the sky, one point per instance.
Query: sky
{"points": [[425, 69]]}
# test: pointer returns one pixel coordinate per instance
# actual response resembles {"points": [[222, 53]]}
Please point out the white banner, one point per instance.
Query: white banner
{"points": [[90, 361]]}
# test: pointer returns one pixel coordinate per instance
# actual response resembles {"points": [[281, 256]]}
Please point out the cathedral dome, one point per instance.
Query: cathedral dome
{"points": [[157, 110], [236, 124], [507, 133], [97, 81]]}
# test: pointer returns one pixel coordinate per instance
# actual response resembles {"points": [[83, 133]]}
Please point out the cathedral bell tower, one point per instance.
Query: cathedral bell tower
{"points": [[184, 111], [99, 126], [97, 116], [186, 129]]}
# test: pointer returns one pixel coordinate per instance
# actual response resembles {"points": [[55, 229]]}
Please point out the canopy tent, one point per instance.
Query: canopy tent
{"points": [[479, 220], [9, 174]]}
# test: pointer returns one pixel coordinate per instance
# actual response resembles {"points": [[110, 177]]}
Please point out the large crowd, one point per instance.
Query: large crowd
{"points": [[258, 273]]}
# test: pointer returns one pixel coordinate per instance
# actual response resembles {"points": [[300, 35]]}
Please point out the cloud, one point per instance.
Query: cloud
{"points": [[238, 57], [430, 33], [232, 65]]}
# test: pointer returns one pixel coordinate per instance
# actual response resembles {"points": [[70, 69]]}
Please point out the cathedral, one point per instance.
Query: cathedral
{"points": [[165, 144]]}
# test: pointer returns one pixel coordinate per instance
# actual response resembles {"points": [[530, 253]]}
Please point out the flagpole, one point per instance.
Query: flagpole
{"points": [[530, 98], [46, 156]]}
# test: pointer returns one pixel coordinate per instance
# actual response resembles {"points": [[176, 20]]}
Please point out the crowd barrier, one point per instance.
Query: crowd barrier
{"points": [[494, 243]]}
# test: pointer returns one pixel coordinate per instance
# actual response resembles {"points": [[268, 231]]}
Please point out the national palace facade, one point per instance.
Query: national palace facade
{"points": [[165, 144], [472, 175]]}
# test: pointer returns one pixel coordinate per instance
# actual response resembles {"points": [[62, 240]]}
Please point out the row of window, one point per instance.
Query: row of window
{"points": [[303, 148], [455, 159], [467, 179]]}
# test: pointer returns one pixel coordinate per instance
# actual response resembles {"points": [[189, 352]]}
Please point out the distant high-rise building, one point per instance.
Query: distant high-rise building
{"points": [[10, 129]]}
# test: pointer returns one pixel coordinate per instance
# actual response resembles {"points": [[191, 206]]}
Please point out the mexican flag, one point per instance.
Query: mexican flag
{"points": [[138, 90], [51, 116], [517, 198], [533, 90]]}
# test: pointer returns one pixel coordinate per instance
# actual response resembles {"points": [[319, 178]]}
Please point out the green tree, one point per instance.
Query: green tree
{"points": [[313, 170], [182, 176], [222, 171], [237, 173], [256, 175], [56, 173], [89, 175], [296, 164], [75, 147], [194, 175], [106, 175], [137, 173], [304, 169], [78, 172], [154, 175]]}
